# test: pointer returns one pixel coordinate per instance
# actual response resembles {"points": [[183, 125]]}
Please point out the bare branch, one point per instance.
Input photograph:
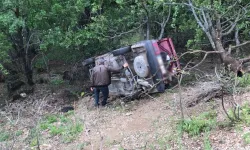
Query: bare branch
{"points": [[157, 22], [205, 19], [237, 46], [196, 17], [237, 19], [164, 22], [231, 28], [228, 10], [245, 60], [223, 106], [199, 51]]}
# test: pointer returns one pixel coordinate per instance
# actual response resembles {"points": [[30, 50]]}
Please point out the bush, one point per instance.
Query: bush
{"points": [[245, 114], [41, 64], [246, 138], [244, 81], [62, 125], [4, 136], [202, 123], [56, 82]]}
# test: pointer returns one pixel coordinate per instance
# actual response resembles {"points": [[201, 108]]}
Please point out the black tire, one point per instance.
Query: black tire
{"points": [[154, 66], [121, 51], [88, 61]]}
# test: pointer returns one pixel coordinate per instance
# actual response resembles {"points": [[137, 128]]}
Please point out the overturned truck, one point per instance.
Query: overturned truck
{"points": [[152, 65]]}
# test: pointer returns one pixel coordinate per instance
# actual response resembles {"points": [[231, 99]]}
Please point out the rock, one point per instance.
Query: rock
{"points": [[45, 147], [129, 114], [23, 95], [67, 108]]}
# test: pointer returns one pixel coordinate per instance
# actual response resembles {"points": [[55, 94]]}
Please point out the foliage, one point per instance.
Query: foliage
{"points": [[244, 81], [207, 144], [246, 138], [81, 146], [41, 63], [76, 29], [245, 114], [19, 132], [242, 114], [63, 125], [4, 136], [51, 118], [32, 137], [56, 81], [201, 123]]}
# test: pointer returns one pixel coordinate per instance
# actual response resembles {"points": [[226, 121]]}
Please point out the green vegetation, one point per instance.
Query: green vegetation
{"points": [[207, 144], [203, 123], [71, 30], [245, 114], [4, 136], [56, 82], [32, 138], [244, 81], [19, 132], [246, 138], [240, 115], [163, 142], [63, 125]]}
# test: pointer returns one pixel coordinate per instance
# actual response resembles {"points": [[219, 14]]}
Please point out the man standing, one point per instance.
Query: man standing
{"points": [[101, 79]]}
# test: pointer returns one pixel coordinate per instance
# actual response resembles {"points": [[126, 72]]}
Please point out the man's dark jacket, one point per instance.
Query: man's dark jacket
{"points": [[101, 75]]}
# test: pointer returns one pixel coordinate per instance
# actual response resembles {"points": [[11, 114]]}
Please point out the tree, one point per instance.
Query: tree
{"points": [[219, 20], [32, 26]]}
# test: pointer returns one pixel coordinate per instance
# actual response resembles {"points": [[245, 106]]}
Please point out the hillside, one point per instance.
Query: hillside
{"points": [[148, 123]]}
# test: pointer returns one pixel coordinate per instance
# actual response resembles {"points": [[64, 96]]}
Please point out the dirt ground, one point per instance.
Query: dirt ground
{"points": [[148, 123]]}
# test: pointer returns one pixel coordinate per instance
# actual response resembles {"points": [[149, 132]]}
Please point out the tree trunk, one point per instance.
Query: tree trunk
{"points": [[231, 63]]}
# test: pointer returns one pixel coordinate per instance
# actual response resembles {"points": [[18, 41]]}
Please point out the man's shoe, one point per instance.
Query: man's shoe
{"points": [[104, 104]]}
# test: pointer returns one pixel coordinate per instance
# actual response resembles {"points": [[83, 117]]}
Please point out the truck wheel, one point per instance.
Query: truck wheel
{"points": [[88, 61], [121, 51]]}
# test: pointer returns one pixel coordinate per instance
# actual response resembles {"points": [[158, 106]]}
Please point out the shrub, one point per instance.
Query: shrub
{"points": [[244, 81], [62, 125], [246, 138], [51, 118], [245, 114], [56, 81], [202, 123], [4, 136]]}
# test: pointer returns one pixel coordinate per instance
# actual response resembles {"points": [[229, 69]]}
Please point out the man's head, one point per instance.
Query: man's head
{"points": [[101, 61]]}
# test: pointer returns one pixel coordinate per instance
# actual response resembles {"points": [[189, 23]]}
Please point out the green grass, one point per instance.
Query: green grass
{"points": [[246, 138], [244, 81], [33, 142], [64, 125], [56, 130], [4, 136], [196, 125], [32, 137], [71, 132], [163, 142], [245, 114], [19, 132], [56, 82], [241, 115], [207, 144], [51, 118]]}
